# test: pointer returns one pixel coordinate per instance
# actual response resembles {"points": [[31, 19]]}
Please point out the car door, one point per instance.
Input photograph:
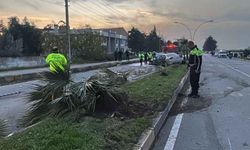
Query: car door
{"points": [[174, 58], [178, 58]]}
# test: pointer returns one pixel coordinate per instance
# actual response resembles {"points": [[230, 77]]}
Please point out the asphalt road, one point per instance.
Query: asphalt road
{"points": [[220, 119], [13, 101]]}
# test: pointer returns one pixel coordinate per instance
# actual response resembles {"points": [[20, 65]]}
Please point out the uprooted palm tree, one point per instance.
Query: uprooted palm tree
{"points": [[60, 95], [2, 129], [113, 78]]}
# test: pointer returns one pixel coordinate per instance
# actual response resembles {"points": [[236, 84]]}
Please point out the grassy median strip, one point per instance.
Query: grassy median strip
{"points": [[102, 132], [157, 89]]}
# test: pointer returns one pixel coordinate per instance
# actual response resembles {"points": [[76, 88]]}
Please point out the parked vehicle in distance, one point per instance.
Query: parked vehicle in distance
{"points": [[167, 59], [173, 58], [159, 59], [222, 55], [230, 55]]}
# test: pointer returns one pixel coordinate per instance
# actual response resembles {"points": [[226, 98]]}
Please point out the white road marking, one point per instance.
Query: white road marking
{"points": [[230, 88], [237, 70], [240, 94], [174, 133], [230, 145]]}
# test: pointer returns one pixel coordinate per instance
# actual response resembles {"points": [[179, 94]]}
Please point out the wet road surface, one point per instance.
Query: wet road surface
{"points": [[220, 119]]}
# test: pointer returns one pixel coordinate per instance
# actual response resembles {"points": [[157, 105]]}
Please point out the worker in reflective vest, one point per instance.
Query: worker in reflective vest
{"points": [[150, 57], [195, 62], [56, 61], [141, 57]]}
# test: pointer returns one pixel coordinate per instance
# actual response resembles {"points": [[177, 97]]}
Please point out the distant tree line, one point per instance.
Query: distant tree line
{"points": [[210, 44], [139, 41], [85, 46], [246, 52], [20, 38]]}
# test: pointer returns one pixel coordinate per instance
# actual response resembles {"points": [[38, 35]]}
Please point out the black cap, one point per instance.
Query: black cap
{"points": [[55, 49]]}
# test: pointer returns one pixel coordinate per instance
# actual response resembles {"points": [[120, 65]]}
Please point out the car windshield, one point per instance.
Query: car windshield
{"points": [[172, 55], [159, 55]]}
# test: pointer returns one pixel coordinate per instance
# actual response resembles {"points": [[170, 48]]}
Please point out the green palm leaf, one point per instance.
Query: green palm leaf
{"points": [[59, 95], [3, 129]]}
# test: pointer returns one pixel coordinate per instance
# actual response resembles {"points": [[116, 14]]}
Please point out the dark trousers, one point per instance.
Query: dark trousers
{"points": [[146, 60], [141, 61], [194, 81], [127, 57]]}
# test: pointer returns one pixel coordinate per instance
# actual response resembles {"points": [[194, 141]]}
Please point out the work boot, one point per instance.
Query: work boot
{"points": [[191, 94]]}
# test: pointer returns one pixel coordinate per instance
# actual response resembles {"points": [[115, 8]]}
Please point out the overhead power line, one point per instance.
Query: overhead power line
{"points": [[89, 16], [95, 11], [108, 10], [116, 11], [106, 3], [100, 10], [97, 14]]}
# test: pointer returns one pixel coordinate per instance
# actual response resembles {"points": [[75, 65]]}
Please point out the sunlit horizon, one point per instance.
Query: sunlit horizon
{"points": [[230, 26]]}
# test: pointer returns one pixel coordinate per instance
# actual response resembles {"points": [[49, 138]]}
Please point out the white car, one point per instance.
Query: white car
{"points": [[222, 55], [173, 58]]}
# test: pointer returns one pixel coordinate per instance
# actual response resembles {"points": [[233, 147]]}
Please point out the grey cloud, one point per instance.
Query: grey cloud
{"points": [[34, 5], [240, 15], [121, 1], [55, 2], [175, 15], [2, 6], [231, 36], [200, 10]]}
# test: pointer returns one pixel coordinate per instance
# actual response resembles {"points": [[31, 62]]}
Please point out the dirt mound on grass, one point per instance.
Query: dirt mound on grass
{"points": [[120, 106], [139, 110]]}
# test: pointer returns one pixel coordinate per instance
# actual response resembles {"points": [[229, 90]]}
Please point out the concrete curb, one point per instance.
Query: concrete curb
{"points": [[147, 139], [36, 75]]}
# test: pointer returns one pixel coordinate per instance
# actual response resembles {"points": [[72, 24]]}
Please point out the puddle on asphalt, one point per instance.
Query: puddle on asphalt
{"points": [[190, 104], [211, 89]]}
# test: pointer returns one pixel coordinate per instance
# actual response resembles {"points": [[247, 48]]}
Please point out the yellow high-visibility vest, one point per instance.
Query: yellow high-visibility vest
{"points": [[197, 52], [56, 61]]}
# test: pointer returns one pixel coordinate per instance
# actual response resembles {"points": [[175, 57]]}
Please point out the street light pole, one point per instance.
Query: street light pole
{"points": [[190, 32], [67, 30], [192, 37], [195, 31]]}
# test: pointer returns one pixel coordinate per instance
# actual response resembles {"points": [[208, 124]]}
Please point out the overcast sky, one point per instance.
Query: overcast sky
{"points": [[231, 26]]}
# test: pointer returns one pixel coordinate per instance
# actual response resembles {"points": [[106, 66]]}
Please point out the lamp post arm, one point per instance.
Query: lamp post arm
{"points": [[189, 30], [195, 31]]}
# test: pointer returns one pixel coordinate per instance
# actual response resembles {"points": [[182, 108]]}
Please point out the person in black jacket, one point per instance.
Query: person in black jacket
{"points": [[127, 54], [195, 62], [146, 58], [116, 55]]}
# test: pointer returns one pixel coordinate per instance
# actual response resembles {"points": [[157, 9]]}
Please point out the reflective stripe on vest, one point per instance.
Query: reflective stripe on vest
{"points": [[197, 52]]}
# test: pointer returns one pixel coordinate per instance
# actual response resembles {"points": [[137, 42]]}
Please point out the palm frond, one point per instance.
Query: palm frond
{"points": [[57, 75], [111, 77], [59, 95], [3, 129], [108, 72]]}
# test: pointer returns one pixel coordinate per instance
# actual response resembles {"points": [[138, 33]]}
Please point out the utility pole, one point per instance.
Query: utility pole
{"points": [[159, 44], [1, 27], [68, 47]]}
